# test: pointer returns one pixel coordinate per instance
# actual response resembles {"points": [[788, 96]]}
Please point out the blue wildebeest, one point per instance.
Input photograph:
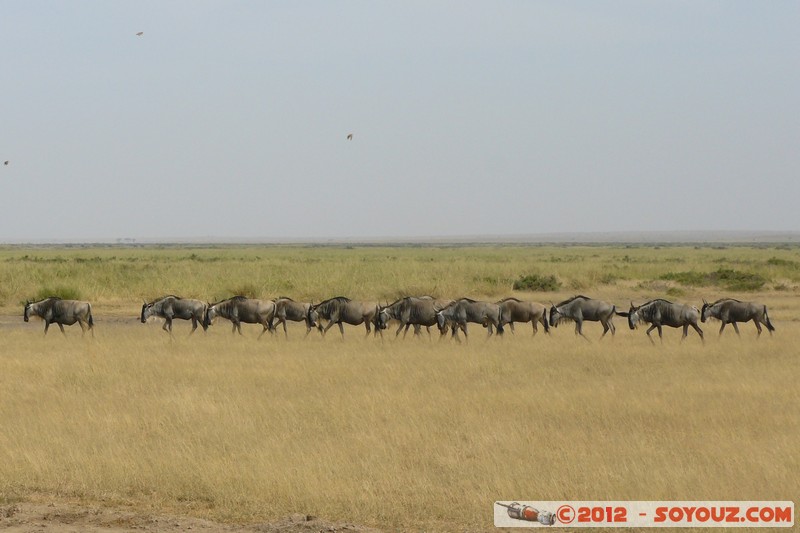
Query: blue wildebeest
{"points": [[242, 309], [288, 309], [579, 309], [730, 311], [660, 313], [411, 311], [171, 307], [465, 310], [514, 310], [341, 310], [54, 310]]}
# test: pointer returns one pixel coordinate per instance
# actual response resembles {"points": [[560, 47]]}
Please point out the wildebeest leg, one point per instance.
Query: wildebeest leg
{"points": [[61, 326], [399, 329], [735, 328], [579, 330], [286, 333], [329, 326], [722, 327], [341, 329], [166, 325], [606, 327], [651, 328], [266, 328], [194, 325], [237, 326], [685, 332], [758, 327], [699, 332]]}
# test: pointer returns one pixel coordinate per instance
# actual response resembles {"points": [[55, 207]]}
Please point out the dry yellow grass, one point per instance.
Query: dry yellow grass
{"points": [[412, 434]]}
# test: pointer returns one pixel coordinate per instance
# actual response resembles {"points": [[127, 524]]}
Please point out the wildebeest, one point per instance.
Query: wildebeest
{"points": [[580, 308], [54, 310], [341, 310], [730, 311], [411, 311], [664, 313], [514, 310], [288, 309], [171, 307], [465, 310], [242, 309]]}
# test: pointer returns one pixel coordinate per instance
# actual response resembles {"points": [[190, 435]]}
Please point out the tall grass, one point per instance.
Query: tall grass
{"points": [[394, 434], [412, 434], [119, 277]]}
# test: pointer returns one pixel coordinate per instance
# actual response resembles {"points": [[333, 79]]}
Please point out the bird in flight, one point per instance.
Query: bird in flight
{"points": [[5, 163], [140, 33], [349, 136]]}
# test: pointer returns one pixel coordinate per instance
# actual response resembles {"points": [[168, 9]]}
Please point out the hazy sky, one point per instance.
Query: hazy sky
{"points": [[229, 119]]}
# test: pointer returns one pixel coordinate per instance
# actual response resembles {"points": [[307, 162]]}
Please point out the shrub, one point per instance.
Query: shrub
{"points": [[535, 282], [65, 293], [776, 261], [730, 279]]}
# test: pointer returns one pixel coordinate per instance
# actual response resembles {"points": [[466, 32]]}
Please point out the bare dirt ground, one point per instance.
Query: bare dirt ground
{"points": [[70, 517]]}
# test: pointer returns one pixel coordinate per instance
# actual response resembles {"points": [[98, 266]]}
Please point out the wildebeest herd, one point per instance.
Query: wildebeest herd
{"points": [[419, 312]]}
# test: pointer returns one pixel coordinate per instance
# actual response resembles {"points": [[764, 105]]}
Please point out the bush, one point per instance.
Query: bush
{"points": [[65, 293], [727, 278], [535, 282], [776, 261]]}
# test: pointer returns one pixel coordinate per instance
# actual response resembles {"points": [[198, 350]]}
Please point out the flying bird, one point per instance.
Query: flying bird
{"points": [[140, 33], [349, 136], [5, 163]]}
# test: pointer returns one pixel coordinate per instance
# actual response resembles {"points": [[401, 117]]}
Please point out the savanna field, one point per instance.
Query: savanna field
{"points": [[415, 433]]}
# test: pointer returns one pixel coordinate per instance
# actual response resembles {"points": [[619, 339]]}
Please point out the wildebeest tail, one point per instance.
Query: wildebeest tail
{"points": [[620, 313], [91, 320], [770, 327]]}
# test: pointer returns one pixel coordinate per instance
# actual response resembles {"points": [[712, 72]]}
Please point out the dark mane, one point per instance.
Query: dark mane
{"points": [[344, 299], [283, 298], [470, 300], [657, 300], [510, 299], [163, 298], [232, 299], [43, 306], [725, 300], [397, 301], [565, 302]]}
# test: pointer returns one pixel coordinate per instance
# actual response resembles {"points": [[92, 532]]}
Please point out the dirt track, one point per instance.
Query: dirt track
{"points": [[68, 518]]}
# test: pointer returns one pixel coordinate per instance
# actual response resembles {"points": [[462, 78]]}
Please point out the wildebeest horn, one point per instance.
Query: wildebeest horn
{"points": [[705, 302]]}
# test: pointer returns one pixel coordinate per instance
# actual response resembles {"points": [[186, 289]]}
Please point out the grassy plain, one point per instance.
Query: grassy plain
{"points": [[412, 434]]}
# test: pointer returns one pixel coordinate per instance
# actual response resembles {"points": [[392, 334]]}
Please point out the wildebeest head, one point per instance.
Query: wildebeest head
{"points": [[706, 311], [313, 316], [382, 318], [146, 311], [633, 316], [441, 321], [555, 315], [26, 313], [211, 313]]}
